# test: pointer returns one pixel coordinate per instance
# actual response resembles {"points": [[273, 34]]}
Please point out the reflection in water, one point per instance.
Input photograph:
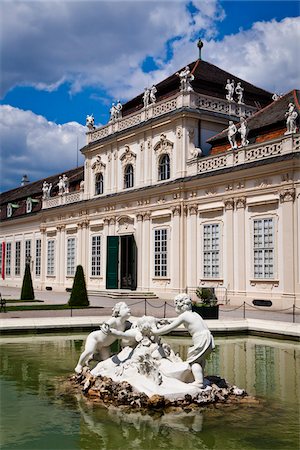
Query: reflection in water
{"points": [[37, 413]]}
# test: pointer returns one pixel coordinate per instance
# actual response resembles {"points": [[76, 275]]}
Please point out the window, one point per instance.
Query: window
{"points": [[8, 259], [263, 239], [99, 184], [164, 167], [50, 257], [128, 176], [71, 248], [160, 253], [27, 251], [211, 250], [18, 258], [96, 256], [38, 254], [9, 210], [28, 205]]}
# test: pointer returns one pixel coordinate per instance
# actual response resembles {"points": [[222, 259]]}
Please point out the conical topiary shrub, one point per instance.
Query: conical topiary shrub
{"points": [[79, 296], [27, 292]]}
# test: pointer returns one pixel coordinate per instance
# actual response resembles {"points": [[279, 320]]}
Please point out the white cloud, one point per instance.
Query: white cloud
{"points": [[36, 146], [94, 43]]}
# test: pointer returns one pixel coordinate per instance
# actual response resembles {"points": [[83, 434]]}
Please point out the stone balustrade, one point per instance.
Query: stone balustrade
{"points": [[64, 199], [177, 101]]}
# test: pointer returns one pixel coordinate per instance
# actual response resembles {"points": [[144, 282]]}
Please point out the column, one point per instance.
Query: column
{"points": [[80, 249], [85, 247], [43, 256], [174, 251], [139, 243], [104, 250], [145, 251], [228, 268], [240, 250], [287, 197], [191, 239]]}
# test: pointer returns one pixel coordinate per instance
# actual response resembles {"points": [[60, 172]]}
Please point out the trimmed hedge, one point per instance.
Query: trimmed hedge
{"points": [[27, 292], [79, 296]]}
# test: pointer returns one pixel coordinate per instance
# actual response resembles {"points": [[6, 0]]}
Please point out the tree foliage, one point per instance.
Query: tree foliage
{"points": [[79, 296]]}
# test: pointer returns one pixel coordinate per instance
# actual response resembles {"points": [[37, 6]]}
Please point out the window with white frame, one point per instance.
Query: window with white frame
{"points": [[128, 176], [99, 185], [71, 256], [263, 247], [9, 210], [96, 256], [18, 258], [8, 259], [38, 256], [28, 205], [164, 167], [160, 252], [50, 257], [211, 250], [27, 250]]}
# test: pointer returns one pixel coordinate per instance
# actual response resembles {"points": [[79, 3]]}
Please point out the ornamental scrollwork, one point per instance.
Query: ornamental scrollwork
{"points": [[98, 166], [287, 195], [128, 157], [163, 146]]}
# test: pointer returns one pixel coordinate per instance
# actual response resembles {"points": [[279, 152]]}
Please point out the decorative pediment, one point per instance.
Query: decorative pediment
{"points": [[163, 146], [128, 157], [98, 166], [125, 225]]}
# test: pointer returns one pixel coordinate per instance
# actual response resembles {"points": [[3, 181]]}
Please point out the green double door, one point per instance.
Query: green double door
{"points": [[121, 262]]}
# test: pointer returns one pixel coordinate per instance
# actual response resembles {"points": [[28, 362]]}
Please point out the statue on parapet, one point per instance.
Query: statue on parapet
{"points": [[232, 131], [243, 130], [239, 90], [186, 77], [90, 122], [230, 90], [291, 116], [46, 189]]}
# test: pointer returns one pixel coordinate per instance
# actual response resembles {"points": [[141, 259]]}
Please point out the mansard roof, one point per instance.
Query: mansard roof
{"points": [[271, 117], [34, 189], [209, 80]]}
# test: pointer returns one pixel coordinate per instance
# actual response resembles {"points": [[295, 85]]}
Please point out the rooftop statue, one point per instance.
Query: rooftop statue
{"points": [[185, 79], [146, 97], [113, 112], [232, 131], [90, 122], [243, 130], [46, 189], [119, 110], [239, 90], [230, 90], [153, 92], [63, 185], [291, 116]]}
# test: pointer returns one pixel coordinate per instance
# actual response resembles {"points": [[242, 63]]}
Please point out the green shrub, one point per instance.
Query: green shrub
{"points": [[79, 296], [207, 296], [27, 292]]}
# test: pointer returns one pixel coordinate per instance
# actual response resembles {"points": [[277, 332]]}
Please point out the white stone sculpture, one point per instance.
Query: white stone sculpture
{"points": [[243, 130], [230, 90], [153, 92], [239, 90], [232, 131], [61, 185], [113, 112], [66, 184], [90, 122], [98, 342], [46, 189], [146, 97], [119, 110], [185, 79], [291, 116], [203, 341]]}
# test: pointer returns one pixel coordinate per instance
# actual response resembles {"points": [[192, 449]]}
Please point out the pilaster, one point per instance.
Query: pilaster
{"points": [[191, 238]]}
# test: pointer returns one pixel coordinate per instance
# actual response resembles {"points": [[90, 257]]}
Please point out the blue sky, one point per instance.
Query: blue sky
{"points": [[62, 60]]}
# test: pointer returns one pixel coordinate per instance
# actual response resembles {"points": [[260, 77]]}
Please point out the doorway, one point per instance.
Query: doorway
{"points": [[121, 262]]}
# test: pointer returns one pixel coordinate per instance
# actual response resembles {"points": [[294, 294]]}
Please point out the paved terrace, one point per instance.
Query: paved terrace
{"points": [[257, 321]]}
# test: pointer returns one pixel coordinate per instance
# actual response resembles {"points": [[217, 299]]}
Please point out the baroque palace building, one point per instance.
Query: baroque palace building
{"points": [[193, 183]]}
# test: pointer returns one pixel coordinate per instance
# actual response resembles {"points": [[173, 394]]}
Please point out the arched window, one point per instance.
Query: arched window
{"points": [[99, 184], [128, 176], [164, 167]]}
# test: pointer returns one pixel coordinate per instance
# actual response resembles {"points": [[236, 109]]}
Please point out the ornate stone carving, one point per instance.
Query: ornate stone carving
{"points": [[240, 203], [146, 97], [125, 224], [109, 155], [229, 187], [291, 116], [163, 146], [98, 166], [243, 130], [179, 132], [186, 77], [46, 188], [176, 210], [229, 204], [153, 92], [115, 111], [112, 221], [147, 215], [90, 122], [240, 93], [287, 195], [128, 157], [193, 210], [160, 200], [211, 191], [139, 217], [229, 87], [63, 185], [106, 222], [142, 146]]}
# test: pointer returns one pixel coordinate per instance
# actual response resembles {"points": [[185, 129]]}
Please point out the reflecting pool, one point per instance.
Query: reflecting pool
{"points": [[37, 413]]}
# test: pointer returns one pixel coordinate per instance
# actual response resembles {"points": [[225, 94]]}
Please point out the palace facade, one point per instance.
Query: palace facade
{"points": [[171, 198]]}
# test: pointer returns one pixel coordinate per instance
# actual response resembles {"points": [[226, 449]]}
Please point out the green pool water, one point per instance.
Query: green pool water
{"points": [[37, 413]]}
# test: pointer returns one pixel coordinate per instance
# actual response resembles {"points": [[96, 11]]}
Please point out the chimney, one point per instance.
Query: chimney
{"points": [[25, 180], [199, 45]]}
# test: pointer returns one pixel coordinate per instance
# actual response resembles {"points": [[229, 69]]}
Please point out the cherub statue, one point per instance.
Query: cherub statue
{"points": [[239, 90], [203, 341], [243, 130], [153, 91], [230, 90], [146, 97], [185, 79], [99, 341], [90, 122], [232, 131], [291, 116]]}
